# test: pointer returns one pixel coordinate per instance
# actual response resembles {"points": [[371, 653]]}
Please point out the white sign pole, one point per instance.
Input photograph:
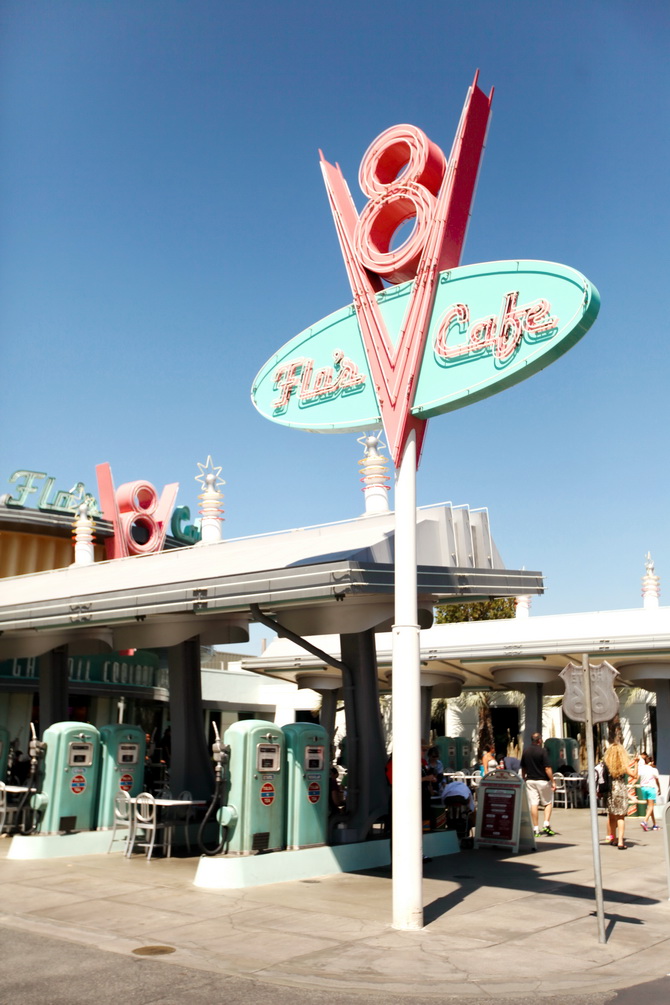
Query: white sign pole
{"points": [[593, 799], [407, 857]]}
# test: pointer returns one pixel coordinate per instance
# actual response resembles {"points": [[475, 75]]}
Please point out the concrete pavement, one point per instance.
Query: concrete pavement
{"points": [[514, 927]]}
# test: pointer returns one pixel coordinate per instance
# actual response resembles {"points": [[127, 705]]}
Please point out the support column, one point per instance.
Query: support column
{"points": [[407, 848], [529, 680], [329, 689], [367, 788], [655, 677], [426, 700], [532, 719], [328, 710], [190, 763], [53, 687], [662, 752]]}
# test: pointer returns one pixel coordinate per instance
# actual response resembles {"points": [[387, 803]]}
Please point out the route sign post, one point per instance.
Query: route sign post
{"points": [[589, 698]]}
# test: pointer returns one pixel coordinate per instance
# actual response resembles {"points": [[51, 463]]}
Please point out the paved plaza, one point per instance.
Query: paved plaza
{"points": [[516, 928]]}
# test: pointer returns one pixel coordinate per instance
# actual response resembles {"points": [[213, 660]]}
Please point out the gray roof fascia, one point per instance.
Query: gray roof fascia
{"points": [[290, 586]]}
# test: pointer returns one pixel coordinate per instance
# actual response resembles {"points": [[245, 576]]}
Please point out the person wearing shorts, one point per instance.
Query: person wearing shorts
{"points": [[650, 789], [540, 784]]}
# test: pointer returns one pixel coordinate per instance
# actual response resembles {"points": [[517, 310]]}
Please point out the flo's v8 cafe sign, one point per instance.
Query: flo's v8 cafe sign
{"points": [[423, 335], [491, 326]]}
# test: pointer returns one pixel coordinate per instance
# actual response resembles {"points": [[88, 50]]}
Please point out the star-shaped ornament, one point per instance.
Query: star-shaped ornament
{"points": [[206, 471]]}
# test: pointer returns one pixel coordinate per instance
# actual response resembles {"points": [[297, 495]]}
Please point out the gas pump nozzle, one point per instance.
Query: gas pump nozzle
{"points": [[220, 756], [36, 749]]}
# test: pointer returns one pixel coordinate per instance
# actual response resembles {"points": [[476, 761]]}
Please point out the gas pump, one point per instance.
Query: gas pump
{"points": [[122, 755], [4, 752], [463, 753], [306, 784], [448, 752], [555, 747], [68, 797], [253, 818], [572, 753]]}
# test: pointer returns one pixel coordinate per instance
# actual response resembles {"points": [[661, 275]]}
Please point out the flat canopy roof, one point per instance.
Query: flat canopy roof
{"points": [[328, 578], [494, 654]]}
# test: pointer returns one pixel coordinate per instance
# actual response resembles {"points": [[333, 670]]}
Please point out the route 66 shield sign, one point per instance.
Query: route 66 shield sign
{"points": [[604, 701]]}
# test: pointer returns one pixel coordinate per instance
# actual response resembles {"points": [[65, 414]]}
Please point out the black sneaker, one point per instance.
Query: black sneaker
{"points": [[548, 831]]}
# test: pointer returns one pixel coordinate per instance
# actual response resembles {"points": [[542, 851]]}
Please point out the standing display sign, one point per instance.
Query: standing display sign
{"points": [[422, 336], [503, 813]]}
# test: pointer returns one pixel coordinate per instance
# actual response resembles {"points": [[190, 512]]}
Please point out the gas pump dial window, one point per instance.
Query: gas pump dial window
{"points": [[80, 755], [267, 757], [128, 753], [314, 758]]}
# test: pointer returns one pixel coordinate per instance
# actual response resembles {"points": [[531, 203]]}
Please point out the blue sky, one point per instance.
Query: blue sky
{"points": [[166, 229]]}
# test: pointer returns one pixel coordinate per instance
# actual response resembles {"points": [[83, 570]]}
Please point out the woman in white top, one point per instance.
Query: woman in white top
{"points": [[650, 787]]}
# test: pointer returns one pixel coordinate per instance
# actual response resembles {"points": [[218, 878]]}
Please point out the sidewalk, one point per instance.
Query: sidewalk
{"points": [[509, 926]]}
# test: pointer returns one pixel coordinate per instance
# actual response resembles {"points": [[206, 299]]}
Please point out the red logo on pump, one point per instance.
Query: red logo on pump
{"points": [[267, 793], [126, 782], [78, 784], [313, 792]]}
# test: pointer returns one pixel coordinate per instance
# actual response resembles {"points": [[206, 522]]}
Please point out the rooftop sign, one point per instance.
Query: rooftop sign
{"points": [[63, 501]]}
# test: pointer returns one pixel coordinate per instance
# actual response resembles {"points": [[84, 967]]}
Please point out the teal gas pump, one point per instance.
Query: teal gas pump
{"points": [[4, 752], [306, 784], [122, 756], [572, 753], [555, 747], [448, 749], [463, 753], [253, 816], [68, 797]]}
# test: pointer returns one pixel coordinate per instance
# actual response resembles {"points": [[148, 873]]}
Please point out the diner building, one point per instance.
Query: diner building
{"points": [[133, 637]]}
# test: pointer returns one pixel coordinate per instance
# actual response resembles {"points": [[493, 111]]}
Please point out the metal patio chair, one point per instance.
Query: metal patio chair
{"points": [[123, 819], [146, 828], [560, 792]]}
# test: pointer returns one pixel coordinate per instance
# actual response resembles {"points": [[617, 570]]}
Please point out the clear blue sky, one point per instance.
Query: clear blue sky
{"points": [[165, 229]]}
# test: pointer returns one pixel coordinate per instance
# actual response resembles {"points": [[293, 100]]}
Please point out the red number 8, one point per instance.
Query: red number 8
{"points": [[396, 197]]}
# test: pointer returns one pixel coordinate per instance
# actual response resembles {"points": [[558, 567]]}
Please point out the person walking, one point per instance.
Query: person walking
{"points": [[650, 789], [536, 770], [617, 769]]}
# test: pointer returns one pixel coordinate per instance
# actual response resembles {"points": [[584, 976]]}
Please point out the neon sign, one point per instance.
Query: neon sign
{"points": [[63, 502], [344, 376], [501, 335], [139, 517], [492, 326], [423, 334]]}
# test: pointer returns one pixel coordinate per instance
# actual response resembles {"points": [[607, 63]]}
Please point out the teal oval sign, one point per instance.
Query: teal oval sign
{"points": [[492, 326]]}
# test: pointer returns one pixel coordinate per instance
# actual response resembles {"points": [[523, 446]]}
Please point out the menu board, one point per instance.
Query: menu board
{"points": [[503, 813], [498, 812]]}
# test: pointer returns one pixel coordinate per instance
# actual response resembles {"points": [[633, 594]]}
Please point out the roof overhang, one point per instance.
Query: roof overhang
{"points": [[498, 654], [333, 578]]}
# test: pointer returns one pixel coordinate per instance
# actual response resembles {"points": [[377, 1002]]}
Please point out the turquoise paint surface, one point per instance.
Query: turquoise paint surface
{"points": [[346, 411], [443, 384]]}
